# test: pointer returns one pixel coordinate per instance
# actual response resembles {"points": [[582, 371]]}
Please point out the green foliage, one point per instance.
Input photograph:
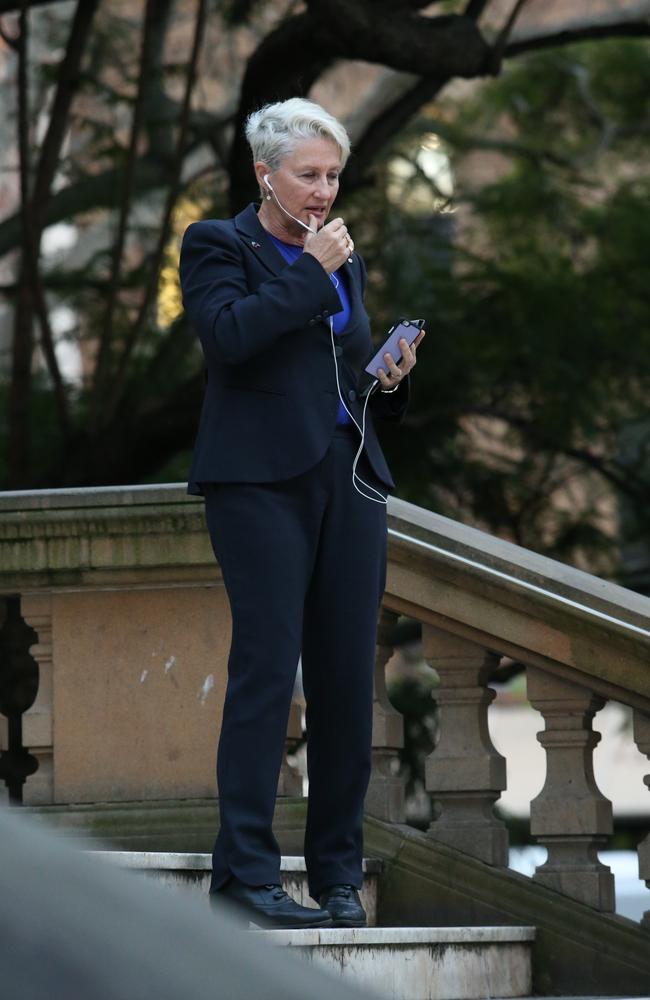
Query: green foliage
{"points": [[411, 696], [535, 370]]}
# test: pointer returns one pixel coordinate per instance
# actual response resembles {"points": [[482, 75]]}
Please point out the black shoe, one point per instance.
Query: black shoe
{"points": [[344, 906], [269, 906]]}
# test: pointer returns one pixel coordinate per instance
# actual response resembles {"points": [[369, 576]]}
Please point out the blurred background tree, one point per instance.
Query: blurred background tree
{"points": [[498, 187], [516, 218]]}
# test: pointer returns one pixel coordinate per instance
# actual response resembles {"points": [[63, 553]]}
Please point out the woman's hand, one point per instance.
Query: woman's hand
{"points": [[398, 371], [331, 245]]}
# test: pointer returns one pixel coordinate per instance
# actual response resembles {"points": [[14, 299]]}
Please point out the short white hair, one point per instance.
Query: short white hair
{"points": [[274, 130]]}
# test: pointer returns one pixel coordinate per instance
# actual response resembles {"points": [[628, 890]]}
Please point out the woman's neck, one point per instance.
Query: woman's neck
{"points": [[283, 229]]}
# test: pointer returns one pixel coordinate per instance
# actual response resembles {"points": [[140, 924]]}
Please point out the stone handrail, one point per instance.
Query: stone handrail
{"points": [[582, 640], [120, 584]]}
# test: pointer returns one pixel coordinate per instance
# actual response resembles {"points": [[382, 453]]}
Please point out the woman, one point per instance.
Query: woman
{"points": [[275, 296]]}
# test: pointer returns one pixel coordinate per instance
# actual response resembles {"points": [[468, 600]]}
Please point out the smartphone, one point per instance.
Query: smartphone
{"points": [[408, 328]]}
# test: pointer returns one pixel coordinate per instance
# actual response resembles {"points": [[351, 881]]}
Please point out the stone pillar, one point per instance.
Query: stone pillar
{"points": [[570, 816], [464, 773], [36, 610], [290, 781], [642, 740], [385, 795]]}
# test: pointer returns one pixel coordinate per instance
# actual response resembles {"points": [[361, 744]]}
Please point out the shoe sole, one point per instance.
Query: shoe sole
{"points": [[275, 926], [242, 914], [349, 923]]}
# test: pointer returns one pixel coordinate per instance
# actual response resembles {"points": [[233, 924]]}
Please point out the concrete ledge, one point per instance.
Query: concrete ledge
{"points": [[191, 872], [95, 496], [358, 936], [186, 861], [421, 963]]}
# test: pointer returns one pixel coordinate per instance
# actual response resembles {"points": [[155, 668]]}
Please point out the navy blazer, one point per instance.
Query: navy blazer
{"points": [[271, 403]]}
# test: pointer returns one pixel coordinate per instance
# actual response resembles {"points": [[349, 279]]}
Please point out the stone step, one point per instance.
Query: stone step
{"points": [[192, 872], [421, 963]]}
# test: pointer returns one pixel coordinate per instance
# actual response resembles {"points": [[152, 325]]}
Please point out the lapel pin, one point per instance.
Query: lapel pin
{"points": [[256, 245]]}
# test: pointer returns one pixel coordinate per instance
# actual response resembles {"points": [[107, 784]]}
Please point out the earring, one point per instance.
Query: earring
{"points": [[268, 196]]}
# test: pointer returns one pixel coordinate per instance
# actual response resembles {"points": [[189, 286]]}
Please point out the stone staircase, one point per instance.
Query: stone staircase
{"points": [[86, 574], [400, 963], [191, 872]]}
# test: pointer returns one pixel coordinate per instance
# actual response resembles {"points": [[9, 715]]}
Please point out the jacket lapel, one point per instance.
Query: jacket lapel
{"points": [[255, 236]]}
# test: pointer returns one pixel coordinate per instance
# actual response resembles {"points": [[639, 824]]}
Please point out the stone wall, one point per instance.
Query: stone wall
{"points": [[133, 625]]}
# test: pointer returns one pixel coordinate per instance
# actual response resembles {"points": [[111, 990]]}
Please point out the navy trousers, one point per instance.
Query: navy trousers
{"points": [[304, 566]]}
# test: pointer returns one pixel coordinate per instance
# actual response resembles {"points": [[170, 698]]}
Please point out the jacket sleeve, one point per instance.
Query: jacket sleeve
{"points": [[391, 405], [386, 405], [233, 323]]}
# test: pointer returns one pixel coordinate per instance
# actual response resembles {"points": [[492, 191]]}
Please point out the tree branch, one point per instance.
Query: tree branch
{"points": [[66, 88], [384, 125], [67, 85], [7, 6], [172, 196], [156, 119], [126, 194], [634, 24], [285, 63], [93, 191], [615, 472], [31, 297], [508, 146], [498, 48], [379, 130], [20, 387], [475, 8], [447, 45]]}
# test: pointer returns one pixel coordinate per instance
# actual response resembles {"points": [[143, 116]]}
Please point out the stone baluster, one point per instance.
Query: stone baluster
{"points": [[37, 720], [570, 816], [290, 781], [18, 688], [385, 795], [464, 773], [642, 740]]}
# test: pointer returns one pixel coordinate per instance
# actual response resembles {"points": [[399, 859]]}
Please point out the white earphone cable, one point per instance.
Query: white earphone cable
{"points": [[299, 221], [362, 429]]}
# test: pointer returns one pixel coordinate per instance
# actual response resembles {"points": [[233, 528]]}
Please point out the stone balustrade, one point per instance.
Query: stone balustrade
{"points": [[123, 593], [582, 641]]}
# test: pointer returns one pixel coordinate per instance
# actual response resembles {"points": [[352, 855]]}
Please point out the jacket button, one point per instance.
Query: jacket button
{"points": [[326, 312], [338, 351], [352, 395], [318, 318], [312, 322]]}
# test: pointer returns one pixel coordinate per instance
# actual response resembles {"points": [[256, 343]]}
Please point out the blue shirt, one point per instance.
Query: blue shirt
{"points": [[291, 253]]}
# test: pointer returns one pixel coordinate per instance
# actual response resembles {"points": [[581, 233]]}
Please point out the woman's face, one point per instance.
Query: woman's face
{"points": [[306, 182]]}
